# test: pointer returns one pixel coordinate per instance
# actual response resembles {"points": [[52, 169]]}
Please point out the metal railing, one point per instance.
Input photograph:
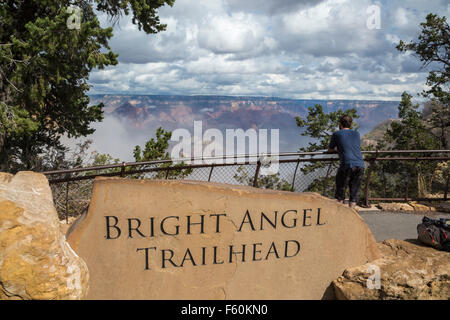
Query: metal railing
{"points": [[390, 175]]}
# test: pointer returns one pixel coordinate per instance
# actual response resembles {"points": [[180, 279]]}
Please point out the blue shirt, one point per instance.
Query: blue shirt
{"points": [[348, 144]]}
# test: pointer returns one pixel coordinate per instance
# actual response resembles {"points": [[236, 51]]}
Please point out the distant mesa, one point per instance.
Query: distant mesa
{"points": [[223, 112]]}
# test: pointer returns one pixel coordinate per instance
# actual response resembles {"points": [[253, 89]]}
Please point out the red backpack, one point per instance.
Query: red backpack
{"points": [[435, 233]]}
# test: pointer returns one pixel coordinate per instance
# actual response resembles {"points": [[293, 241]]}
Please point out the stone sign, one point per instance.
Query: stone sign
{"points": [[162, 239]]}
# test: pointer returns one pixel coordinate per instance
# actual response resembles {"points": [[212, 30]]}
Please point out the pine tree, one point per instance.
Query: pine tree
{"points": [[411, 133], [47, 50], [432, 48], [156, 149]]}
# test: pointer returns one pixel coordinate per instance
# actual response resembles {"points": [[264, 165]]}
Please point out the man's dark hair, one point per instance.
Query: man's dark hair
{"points": [[346, 121]]}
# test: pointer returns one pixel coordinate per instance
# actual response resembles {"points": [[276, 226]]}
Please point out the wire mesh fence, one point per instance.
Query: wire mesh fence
{"points": [[422, 175], [420, 178]]}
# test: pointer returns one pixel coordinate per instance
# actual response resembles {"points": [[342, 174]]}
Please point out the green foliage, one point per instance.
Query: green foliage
{"points": [[410, 133], [157, 150], [272, 181], [438, 121], [433, 49], [154, 149], [102, 159], [72, 198], [78, 157], [144, 12], [321, 126], [419, 130], [415, 130], [44, 69]]}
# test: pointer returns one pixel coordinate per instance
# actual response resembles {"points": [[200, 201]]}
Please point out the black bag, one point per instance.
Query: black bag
{"points": [[435, 233]]}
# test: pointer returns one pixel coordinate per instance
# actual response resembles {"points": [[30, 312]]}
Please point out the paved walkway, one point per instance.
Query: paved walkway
{"points": [[394, 225]]}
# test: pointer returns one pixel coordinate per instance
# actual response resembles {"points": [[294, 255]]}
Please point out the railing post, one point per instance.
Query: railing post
{"points": [[446, 188], [366, 190], [167, 173], [67, 199], [407, 188], [295, 173], [122, 170], [255, 179], [210, 172], [369, 174]]}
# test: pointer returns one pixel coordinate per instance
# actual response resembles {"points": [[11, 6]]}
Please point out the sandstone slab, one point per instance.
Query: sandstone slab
{"points": [[420, 207], [372, 207], [395, 206], [150, 239], [407, 271], [442, 206], [36, 262]]}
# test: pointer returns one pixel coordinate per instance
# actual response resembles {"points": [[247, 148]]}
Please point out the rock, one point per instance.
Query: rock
{"points": [[395, 206], [166, 239], [420, 207], [65, 225], [408, 271], [372, 207], [443, 206], [5, 178], [36, 262]]}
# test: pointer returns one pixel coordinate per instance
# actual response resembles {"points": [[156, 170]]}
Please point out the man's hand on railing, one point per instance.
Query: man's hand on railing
{"points": [[331, 151]]}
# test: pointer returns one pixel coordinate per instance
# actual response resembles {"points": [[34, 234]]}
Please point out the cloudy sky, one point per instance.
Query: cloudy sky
{"points": [[303, 49]]}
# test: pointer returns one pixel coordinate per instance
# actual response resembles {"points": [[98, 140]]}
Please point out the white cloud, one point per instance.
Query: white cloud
{"points": [[401, 17], [295, 49], [230, 34], [269, 7]]}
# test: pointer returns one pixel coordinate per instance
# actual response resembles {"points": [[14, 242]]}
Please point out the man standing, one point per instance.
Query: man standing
{"points": [[351, 169]]}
